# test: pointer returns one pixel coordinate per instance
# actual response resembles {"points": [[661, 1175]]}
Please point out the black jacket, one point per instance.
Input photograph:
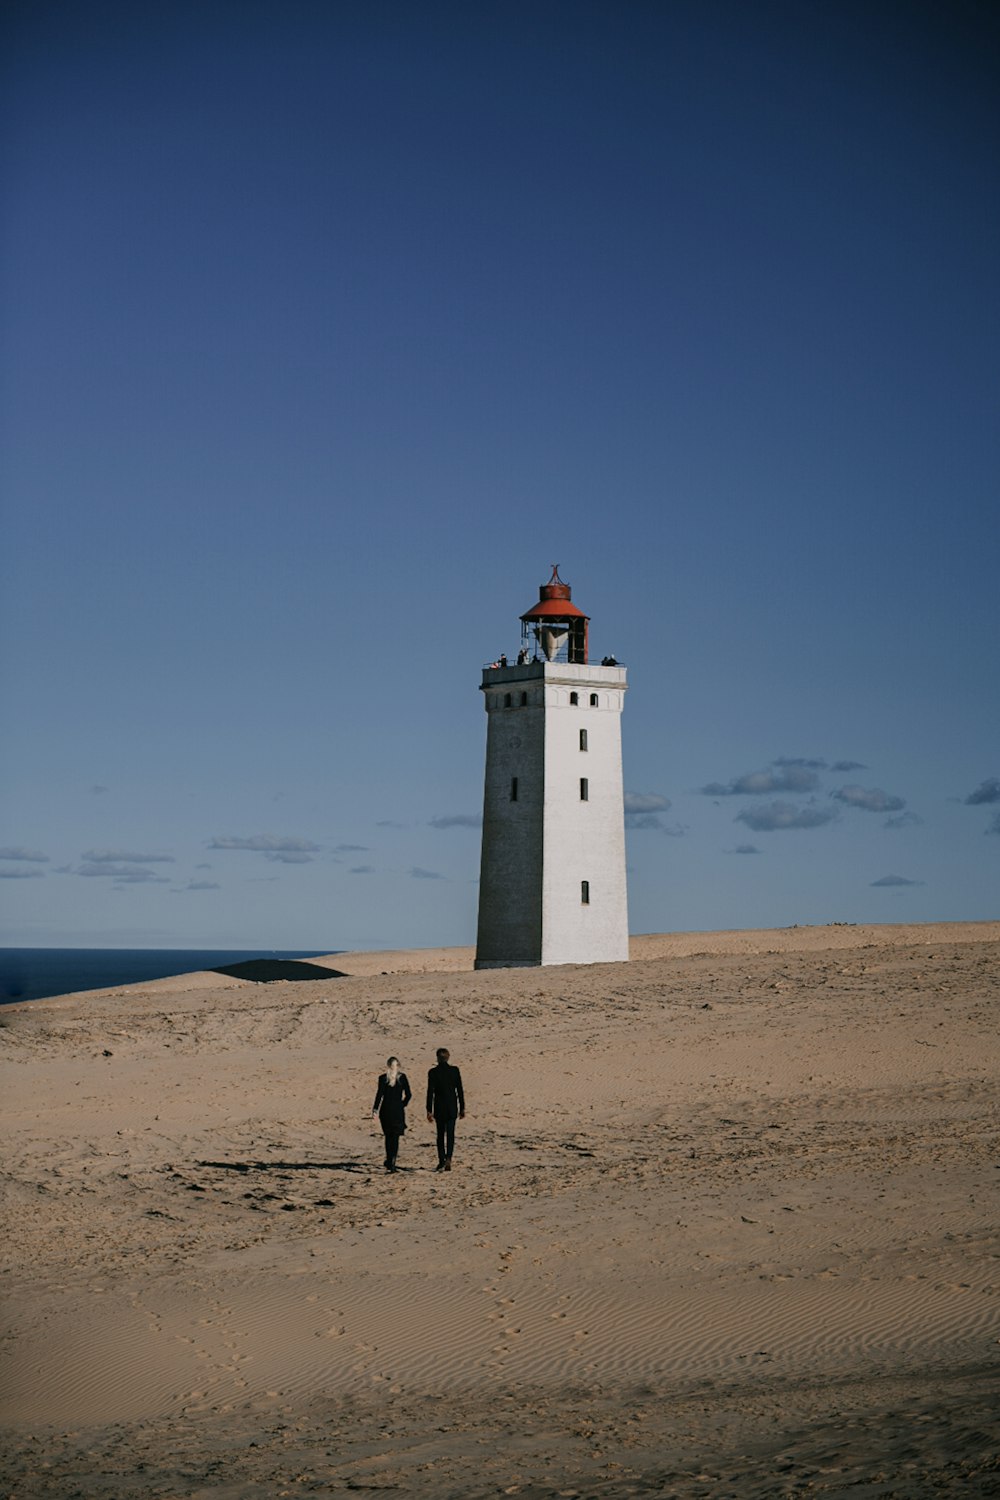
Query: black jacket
{"points": [[445, 1098], [391, 1102]]}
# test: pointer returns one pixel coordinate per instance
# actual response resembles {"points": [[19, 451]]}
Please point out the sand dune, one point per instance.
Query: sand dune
{"points": [[722, 1222]]}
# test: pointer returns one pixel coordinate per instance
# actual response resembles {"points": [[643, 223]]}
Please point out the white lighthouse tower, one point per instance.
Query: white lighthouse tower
{"points": [[552, 878]]}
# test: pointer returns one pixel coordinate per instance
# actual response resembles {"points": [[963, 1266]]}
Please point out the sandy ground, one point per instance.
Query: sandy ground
{"points": [[722, 1223]]}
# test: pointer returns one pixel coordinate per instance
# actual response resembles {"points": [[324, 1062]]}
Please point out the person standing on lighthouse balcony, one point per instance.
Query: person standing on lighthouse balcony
{"points": [[445, 1105]]}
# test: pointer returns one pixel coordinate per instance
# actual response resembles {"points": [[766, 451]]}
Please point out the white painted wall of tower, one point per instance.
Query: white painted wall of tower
{"points": [[539, 846], [584, 837]]}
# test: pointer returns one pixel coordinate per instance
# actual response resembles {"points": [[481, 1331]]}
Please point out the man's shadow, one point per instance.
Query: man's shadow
{"points": [[287, 1166]]}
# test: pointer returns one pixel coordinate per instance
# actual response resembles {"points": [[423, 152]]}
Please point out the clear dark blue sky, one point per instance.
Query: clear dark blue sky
{"points": [[327, 327]]}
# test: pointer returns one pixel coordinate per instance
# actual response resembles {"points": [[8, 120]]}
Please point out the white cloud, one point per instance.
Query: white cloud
{"points": [[779, 816], [645, 802], [782, 776], [642, 810], [869, 799]]}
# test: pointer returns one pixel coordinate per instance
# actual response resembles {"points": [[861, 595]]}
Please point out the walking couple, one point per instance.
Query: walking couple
{"points": [[445, 1105]]}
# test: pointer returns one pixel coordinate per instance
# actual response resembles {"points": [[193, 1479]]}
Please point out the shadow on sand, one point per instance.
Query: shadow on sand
{"points": [[287, 1166], [271, 970]]}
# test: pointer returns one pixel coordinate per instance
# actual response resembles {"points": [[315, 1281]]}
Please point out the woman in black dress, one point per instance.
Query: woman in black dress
{"points": [[391, 1098]]}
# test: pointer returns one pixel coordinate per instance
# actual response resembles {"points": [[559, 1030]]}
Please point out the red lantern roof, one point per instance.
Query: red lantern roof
{"points": [[555, 602]]}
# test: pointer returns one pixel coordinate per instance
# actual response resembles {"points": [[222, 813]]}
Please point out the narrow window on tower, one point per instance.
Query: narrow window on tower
{"points": [[574, 699], [506, 700], [584, 892], [583, 739], [584, 789], [513, 788], [524, 699], [593, 700]]}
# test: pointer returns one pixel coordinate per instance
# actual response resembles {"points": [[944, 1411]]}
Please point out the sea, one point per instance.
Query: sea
{"points": [[35, 973]]}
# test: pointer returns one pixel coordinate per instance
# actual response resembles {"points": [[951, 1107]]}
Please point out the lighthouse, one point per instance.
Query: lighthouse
{"points": [[552, 875]]}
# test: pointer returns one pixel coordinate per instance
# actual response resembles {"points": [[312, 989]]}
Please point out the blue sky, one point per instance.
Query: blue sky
{"points": [[327, 328]]}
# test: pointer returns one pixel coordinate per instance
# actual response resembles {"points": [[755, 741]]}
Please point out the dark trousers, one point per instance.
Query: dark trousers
{"points": [[446, 1138], [391, 1146]]}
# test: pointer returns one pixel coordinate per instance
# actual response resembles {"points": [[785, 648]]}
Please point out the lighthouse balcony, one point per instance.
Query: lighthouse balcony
{"points": [[539, 670]]}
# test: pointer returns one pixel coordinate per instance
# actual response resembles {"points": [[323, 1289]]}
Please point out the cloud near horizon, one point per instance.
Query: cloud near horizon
{"points": [[265, 843], [987, 791], [782, 776], [362, 870], [896, 880], [22, 874], [904, 820], [415, 872], [643, 802], [869, 799], [779, 816], [642, 810], [33, 856], [457, 820], [994, 825], [122, 857], [123, 874], [745, 849]]}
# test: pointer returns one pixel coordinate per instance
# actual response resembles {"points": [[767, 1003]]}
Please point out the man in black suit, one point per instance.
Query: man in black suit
{"points": [[445, 1105]]}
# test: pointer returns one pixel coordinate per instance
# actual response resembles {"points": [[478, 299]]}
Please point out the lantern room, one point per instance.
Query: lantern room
{"points": [[555, 627]]}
